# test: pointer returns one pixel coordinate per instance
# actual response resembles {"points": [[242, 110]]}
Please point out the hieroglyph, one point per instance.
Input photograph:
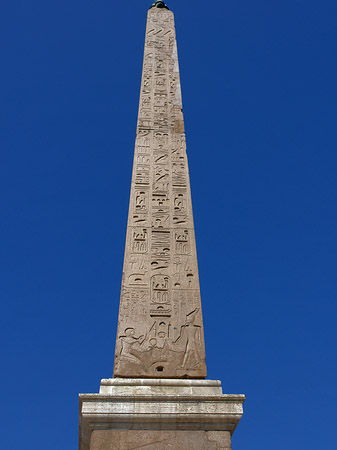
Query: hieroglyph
{"points": [[160, 331]]}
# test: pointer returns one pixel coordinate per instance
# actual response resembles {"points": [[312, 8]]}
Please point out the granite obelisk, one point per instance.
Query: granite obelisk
{"points": [[160, 330], [158, 398]]}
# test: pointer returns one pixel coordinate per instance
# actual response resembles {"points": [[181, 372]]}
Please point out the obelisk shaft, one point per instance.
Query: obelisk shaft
{"points": [[160, 330]]}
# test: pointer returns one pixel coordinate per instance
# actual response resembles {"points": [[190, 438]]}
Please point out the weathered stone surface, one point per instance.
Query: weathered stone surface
{"points": [[160, 440], [158, 399], [170, 411], [144, 386], [160, 329]]}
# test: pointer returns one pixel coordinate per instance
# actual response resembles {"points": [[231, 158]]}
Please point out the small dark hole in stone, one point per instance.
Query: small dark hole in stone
{"points": [[160, 368]]}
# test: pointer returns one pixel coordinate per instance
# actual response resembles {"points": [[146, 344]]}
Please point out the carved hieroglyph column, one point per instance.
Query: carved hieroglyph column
{"points": [[160, 330]]}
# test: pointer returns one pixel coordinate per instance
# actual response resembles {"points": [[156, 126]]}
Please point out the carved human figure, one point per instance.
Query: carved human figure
{"points": [[140, 200], [127, 342], [179, 202], [190, 337]]}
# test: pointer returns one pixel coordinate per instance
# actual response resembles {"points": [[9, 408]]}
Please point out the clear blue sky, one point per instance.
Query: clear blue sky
{"points": [[259, 84]]}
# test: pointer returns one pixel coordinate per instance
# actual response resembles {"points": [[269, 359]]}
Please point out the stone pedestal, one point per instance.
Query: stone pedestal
{"points": [[158, 414]]}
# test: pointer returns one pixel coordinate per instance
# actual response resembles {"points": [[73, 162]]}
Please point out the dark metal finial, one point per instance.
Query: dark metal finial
{"points": [[159, 4]]}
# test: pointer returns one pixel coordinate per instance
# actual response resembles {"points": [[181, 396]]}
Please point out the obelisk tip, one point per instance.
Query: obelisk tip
{"points": [[159, 4]]}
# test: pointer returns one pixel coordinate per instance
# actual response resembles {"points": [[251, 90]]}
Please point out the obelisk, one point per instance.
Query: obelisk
{"points": [[160, 330], [158, 398]]}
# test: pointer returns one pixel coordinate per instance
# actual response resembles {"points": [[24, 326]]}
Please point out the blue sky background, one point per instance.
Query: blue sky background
{"points": [[260, 103]]}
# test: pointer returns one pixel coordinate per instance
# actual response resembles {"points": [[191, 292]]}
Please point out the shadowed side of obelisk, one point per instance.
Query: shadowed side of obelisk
{"points": [[160, 329]]}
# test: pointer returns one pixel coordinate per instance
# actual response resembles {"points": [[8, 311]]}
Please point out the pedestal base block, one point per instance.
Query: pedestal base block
{"points": [[158, 414], [160, 440]]}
